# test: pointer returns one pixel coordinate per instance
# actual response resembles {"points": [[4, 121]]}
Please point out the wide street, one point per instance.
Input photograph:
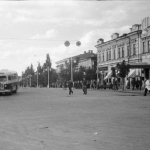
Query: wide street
{"points": [[50, 119]]}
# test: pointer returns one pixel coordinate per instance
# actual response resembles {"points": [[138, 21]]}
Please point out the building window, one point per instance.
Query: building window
{"points": [[103, 56], [128, 51], [134, 49], [118, 52], [100, 58], [149, 46], [144, 47], [122, 51], [109, 55], [114, 54]]}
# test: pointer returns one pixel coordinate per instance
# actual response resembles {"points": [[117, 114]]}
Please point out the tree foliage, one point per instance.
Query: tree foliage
{"points": [[113, 72], [123, 70], [42, 73]]}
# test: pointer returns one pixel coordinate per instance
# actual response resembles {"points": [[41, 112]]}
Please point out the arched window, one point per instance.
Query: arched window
{"points": [[118, 52], [149, 46], [114, 54], [134, 49], [103, 56], [128, 51], [109, 55], [122, 51], [144, 47]]}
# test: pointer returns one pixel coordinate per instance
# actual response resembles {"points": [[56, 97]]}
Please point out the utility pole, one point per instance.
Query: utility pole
{"points": [[71, 71], [37, 77], [48, 76]]}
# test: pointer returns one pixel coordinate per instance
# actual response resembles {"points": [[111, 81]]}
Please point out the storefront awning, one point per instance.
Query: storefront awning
{"points": [[108, 75], [139, 65], [132, 74]]}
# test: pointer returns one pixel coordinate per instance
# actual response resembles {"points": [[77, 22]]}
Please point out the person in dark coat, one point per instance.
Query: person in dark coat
{"points": [[133, 83], [137, 84], [116, 84], [84, 87], [140, 83], [70, 86]]}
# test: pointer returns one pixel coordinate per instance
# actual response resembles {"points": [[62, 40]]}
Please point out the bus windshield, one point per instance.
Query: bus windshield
{"points": [[3, 78]]}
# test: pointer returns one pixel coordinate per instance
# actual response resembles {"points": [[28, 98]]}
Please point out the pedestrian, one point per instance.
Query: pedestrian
{"points": [[147, 86], [127, 84], [70, 86], [116, 84], [133, 83], [94, 83], [113, 81], [84, 86], [137, 84], [140, 83]]}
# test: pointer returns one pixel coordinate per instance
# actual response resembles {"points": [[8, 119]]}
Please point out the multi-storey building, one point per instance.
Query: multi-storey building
{"points": [[133, 47], [87, 60]]}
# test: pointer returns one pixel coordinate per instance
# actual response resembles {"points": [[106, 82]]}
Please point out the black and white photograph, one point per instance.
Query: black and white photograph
{"points": [[74, 75]]}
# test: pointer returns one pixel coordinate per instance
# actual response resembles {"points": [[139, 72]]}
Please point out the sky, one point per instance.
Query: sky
{"points": [[31, 29]]}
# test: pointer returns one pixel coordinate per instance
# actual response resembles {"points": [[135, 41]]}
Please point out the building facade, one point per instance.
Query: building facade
{"points": [[87, 59], [133, 47]]}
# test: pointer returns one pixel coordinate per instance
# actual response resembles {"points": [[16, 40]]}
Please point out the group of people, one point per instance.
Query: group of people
{"points": [[84, 86], [136, 83]]}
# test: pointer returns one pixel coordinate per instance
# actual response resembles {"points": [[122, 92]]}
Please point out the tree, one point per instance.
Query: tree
{"points": [[113, 72], [123, 70]]}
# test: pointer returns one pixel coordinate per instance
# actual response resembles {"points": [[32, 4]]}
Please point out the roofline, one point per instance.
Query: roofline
{"points": [[63, 60], [119, 38]]}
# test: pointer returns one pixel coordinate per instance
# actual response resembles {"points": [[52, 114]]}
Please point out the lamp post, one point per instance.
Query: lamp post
{"points": [[71, 71], [29, 76], [37, 78], [48, 76], [48, 70], [67, 44]]}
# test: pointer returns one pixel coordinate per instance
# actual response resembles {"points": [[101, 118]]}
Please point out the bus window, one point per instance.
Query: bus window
{"points": [[3, 78]]}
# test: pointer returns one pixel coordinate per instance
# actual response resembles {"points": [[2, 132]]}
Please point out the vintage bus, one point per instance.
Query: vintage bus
{"points": [[8, 82]]}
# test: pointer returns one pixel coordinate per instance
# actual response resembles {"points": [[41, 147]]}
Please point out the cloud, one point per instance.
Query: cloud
{"points": [[105, 33], [49, 34], [124, 29], [20, 19]]}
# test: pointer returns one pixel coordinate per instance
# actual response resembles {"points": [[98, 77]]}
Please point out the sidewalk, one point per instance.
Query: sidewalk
{"points": [[124, 91]]}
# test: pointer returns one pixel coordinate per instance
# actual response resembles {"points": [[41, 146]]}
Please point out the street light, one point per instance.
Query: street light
{"points": [[67, 44], [48, 70], [37, 78], [30, 79]]}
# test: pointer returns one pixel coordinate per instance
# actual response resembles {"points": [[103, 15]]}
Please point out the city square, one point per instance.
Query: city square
{"points": [[74, 75], [42, 118]]}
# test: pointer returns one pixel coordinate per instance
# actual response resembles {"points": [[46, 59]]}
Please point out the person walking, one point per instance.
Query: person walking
{"points": [[137, 84], [147, 86], [70, 86], [84, 86], [140, 83], [133, 83], [116, 84], [127, 84]]}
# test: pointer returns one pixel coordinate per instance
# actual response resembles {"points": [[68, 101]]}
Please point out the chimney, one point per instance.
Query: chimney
{"points": [[84, 52], [89, 51]]}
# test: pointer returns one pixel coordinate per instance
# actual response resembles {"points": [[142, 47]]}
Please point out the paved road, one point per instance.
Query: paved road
{"points": [[50, 119]]}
